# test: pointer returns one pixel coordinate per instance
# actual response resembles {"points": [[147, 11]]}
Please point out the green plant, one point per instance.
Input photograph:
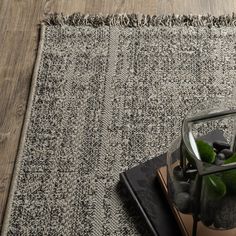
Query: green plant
{"points": [[215, 187], [206, 151]]}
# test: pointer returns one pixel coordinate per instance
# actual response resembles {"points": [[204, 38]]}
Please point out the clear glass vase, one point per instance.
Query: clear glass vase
{"points": [[201, 165]]}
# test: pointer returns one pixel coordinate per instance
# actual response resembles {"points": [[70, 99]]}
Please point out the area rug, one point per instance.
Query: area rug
{"points": [[108, 93]]}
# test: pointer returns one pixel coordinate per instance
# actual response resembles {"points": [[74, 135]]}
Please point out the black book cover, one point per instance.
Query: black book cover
{"points": [[146, 193]]}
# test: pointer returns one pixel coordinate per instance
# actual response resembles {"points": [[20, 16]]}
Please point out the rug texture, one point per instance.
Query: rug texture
{"points": [[109, 93]]}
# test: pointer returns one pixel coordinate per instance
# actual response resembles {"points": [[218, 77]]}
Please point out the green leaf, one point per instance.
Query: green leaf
{"points": [[232, 159], [229, 177], [216, 188], [206, 151]]}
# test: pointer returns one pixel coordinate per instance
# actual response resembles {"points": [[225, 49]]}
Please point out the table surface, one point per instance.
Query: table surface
{"points": [[19, 34]]}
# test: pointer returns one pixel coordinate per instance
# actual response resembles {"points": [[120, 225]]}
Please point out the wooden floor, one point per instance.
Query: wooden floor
{"points": [[19, 24]]}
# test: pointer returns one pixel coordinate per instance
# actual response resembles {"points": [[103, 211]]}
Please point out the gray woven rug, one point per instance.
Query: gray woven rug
{"points": [[107, 94]]}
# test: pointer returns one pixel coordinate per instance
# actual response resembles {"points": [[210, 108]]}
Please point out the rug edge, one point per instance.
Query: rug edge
{"points": [[139, 20], [6, 216]]}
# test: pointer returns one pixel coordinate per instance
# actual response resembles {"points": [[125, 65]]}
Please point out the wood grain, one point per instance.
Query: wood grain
{"points": [[19, 26]]}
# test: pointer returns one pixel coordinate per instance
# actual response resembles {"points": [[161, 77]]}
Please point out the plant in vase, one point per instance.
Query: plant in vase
{"points": [[202, 168], [219, 189]]}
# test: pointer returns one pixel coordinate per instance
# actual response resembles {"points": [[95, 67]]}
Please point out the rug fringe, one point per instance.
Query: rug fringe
{"points": [[139, 20]]}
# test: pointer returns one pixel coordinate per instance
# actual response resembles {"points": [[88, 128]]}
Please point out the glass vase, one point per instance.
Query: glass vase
{"points": [[201, 165]]}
